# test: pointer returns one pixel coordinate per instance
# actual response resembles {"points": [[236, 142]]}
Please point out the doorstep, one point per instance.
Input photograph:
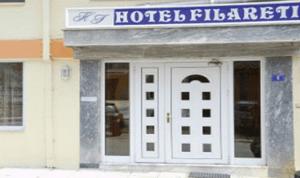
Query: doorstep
{"points": [[233, 170], [95, 173]]}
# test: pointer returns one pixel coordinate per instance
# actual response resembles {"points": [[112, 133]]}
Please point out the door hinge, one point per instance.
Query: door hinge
{"points": [[169, 117]]}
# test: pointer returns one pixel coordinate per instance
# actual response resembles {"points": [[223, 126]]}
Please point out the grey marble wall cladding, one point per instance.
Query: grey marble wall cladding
{"points": [[171, 36], [279, 117], [186, 51], [89, 113], [272, 40]]}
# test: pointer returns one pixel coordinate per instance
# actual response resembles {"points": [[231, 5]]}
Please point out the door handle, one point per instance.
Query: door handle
{"points": [[169, 117]]}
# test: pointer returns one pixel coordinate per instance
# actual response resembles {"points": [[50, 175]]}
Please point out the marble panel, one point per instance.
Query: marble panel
{"points": [[279, 117], [89, 113]]}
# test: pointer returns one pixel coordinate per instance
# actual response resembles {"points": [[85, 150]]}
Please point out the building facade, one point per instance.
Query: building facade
{"points": [[152, 85]]}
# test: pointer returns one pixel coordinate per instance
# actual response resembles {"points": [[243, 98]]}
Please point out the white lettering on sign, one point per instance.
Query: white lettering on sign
{"points": [[282, 10], [122, 17], [233, 14], [165, 16], [250, 13], [195, 14], [150, 15], [219, 16], [267, 13], [207, 15], [295, 12], [137, 16], [178, 16]]}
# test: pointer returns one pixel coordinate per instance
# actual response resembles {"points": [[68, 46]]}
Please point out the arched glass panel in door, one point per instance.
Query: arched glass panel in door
{"points": [[192, 78]]}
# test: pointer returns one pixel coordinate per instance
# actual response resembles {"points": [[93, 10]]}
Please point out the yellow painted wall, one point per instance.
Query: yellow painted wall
{"points": [[21, 20], [66, 108], [296, 89], [27, 147], [41, 143]]}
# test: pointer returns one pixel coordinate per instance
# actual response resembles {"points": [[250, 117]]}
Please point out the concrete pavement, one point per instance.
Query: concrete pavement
{"points": [[82, 173]]}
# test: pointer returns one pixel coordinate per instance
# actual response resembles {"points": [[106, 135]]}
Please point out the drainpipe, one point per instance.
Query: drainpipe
{"points": [[49, 123], [46, 30]]}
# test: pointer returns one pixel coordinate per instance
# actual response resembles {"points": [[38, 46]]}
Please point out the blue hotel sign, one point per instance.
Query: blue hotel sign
{"points": [[194, 15]]}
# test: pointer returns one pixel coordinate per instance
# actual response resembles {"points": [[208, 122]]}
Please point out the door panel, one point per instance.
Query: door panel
{"points": [[149, 116], [178, 113], [149, 112], [195, 110]]}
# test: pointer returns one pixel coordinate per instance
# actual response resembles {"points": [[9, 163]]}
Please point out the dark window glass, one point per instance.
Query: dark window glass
{"points": [[205, 95], [192, 78], [150, 146], [117, 109], [185, 112], [150, 129], [150, 95], [149, 112], [12, 1], [11, 94], [206, 148], [185, 147], [206, 130], [185, 130], [149, 78], [185, 95], [247, 133], [206, 113]]}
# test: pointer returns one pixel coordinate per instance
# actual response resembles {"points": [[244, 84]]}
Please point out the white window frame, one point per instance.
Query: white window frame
{"points": [[109, 158], [22, 127], [249, 161]]}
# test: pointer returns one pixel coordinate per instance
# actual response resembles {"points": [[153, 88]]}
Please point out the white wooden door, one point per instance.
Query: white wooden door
{"points": [[195, 119], [178, 112], [149, 107]]}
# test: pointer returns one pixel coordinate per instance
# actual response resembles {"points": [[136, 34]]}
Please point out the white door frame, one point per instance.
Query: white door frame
{"points": [[165, 136], [227, 79], [223, 113], [115, 159], [247, 161]]}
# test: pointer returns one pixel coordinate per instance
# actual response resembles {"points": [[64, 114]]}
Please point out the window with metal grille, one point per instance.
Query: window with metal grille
{"points": [[11, 94], [12, 1]]}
